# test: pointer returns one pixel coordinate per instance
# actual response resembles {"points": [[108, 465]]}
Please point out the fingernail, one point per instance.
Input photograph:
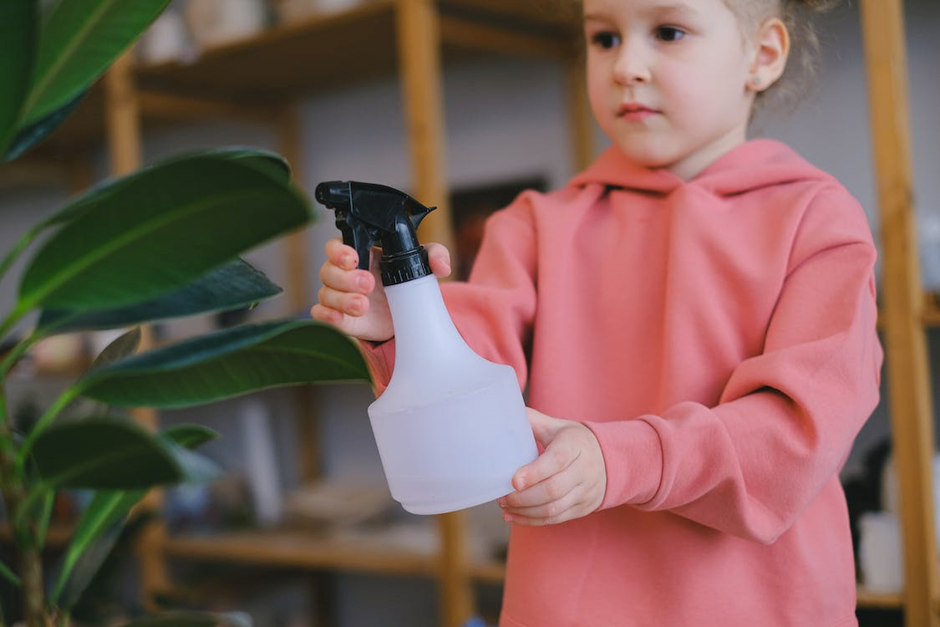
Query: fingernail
{"points": [[501, 502], [507, 517], [362, 282]]}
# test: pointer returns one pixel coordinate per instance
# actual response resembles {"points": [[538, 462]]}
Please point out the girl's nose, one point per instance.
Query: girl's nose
{"points": [[631, 67]]}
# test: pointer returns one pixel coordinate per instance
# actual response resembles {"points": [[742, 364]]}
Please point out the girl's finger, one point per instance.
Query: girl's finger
{"points": [[556, 458], [552, 489], [344, 302], [439, 258], [565, 508], [359, 281]]}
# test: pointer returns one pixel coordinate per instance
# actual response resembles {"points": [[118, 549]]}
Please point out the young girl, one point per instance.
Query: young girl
{"points": [[694, 316]]}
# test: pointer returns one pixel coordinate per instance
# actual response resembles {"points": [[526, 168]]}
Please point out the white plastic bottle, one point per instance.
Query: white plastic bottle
{"points": [[451, 427]]}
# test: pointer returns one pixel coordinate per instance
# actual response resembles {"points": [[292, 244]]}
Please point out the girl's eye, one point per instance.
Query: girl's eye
{"points": [[669, 33], [605, 40]]}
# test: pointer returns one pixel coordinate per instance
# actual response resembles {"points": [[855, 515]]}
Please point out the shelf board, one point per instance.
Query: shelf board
{"points": [[327, 51], [57, 537], [317, 54], [300, 549], [875, 600]]}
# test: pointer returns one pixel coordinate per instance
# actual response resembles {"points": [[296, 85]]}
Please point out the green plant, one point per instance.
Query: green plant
{"points": [[161, 243]]}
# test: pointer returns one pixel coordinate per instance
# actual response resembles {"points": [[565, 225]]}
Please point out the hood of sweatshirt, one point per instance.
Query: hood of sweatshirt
{"points": [[750, 166]]}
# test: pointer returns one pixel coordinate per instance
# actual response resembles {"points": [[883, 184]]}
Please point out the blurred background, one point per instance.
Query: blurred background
{"points": [[301, 530]]}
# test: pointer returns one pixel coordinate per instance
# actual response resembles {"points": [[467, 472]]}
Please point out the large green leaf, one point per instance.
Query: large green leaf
{"points": [[112, 454], [234, 286], [157, 232], [265, 161], [124, 345], [228, 363], [101, 523], [77, 43], [30, 135], [18, 27]]}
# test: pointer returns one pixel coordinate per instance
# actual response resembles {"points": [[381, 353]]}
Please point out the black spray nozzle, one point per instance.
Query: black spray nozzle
{"points": [[370, 214]]}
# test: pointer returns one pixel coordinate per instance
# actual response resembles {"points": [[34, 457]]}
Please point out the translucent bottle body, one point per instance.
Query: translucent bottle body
{"points": [[451, 427]]}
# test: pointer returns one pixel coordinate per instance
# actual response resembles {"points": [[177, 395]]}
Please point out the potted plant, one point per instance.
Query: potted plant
{"points": [[163, 242]]}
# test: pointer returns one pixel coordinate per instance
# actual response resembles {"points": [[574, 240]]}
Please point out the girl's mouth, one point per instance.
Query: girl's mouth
{"points": [[633, 111]]}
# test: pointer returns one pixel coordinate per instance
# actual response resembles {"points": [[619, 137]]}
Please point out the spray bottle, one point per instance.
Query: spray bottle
{"points": [[451, 427]]}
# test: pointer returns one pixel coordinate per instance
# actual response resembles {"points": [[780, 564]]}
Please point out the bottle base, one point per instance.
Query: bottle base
{"points": [[442, 506]]}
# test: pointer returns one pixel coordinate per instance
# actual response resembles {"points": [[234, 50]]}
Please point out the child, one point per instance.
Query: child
{"points": [[694, 315]]}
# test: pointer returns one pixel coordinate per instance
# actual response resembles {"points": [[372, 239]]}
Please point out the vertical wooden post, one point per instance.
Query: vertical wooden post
{"points": [[419, 47], [122, 112], [297, 288], [907, 363], [580, 118]]}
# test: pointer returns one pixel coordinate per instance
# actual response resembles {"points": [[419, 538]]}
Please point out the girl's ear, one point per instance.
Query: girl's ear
{"points": [[771, 48]]}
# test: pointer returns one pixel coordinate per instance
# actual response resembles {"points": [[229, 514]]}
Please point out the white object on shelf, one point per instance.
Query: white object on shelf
{"points": [[337, 502], [889, 491], [165, 40], [213, 22], [292, 10], [261, 472], [928, 235], [879, 553]]}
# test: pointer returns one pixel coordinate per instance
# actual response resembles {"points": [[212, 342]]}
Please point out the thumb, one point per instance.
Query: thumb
{"points": [[439, 258], [544, 427]]}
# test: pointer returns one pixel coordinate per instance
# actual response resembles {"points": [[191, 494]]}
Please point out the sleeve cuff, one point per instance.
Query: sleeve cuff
{"points": [[380, 359], [633, 456]]}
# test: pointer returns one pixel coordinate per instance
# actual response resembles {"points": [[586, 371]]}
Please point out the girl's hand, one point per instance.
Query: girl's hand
{"points": [[354, 300], [567, 481]]}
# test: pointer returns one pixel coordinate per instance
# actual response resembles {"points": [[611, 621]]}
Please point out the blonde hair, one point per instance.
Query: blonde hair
{"points": [[805, 52]]}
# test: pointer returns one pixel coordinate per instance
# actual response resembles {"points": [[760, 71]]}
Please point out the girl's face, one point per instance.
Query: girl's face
{"points": [[668, 79]]}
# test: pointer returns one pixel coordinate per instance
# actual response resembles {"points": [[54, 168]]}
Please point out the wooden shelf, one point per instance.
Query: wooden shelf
{"points": [[325, 52], [57, 537], [301, 549], [322, 53], [874, 600]]}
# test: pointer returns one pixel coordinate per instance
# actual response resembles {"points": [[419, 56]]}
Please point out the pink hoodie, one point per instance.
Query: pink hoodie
{"points": [[718, 337]]}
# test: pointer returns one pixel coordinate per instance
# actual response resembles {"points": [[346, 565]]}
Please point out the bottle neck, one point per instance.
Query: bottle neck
{"points": [[424, 332]]}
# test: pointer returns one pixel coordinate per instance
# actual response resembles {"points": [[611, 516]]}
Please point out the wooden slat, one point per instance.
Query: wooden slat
{"points": [[122, 121], [581, 120], [470, 35], [313, 55], [907, 363], [420, 72], [303, 550], [874, 600]]}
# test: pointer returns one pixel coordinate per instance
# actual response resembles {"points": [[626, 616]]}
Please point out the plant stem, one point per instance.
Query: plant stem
{"points": [[10, 321], [18, 249], [33, 593], [16, 352], [6, 443]]}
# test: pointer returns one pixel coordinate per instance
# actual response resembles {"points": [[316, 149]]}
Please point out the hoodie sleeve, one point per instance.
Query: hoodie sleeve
{"points": [[493, 311], [786, 418]]}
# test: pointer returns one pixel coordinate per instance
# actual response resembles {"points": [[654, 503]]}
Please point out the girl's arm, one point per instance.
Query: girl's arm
{"points": [[787, 418]]}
